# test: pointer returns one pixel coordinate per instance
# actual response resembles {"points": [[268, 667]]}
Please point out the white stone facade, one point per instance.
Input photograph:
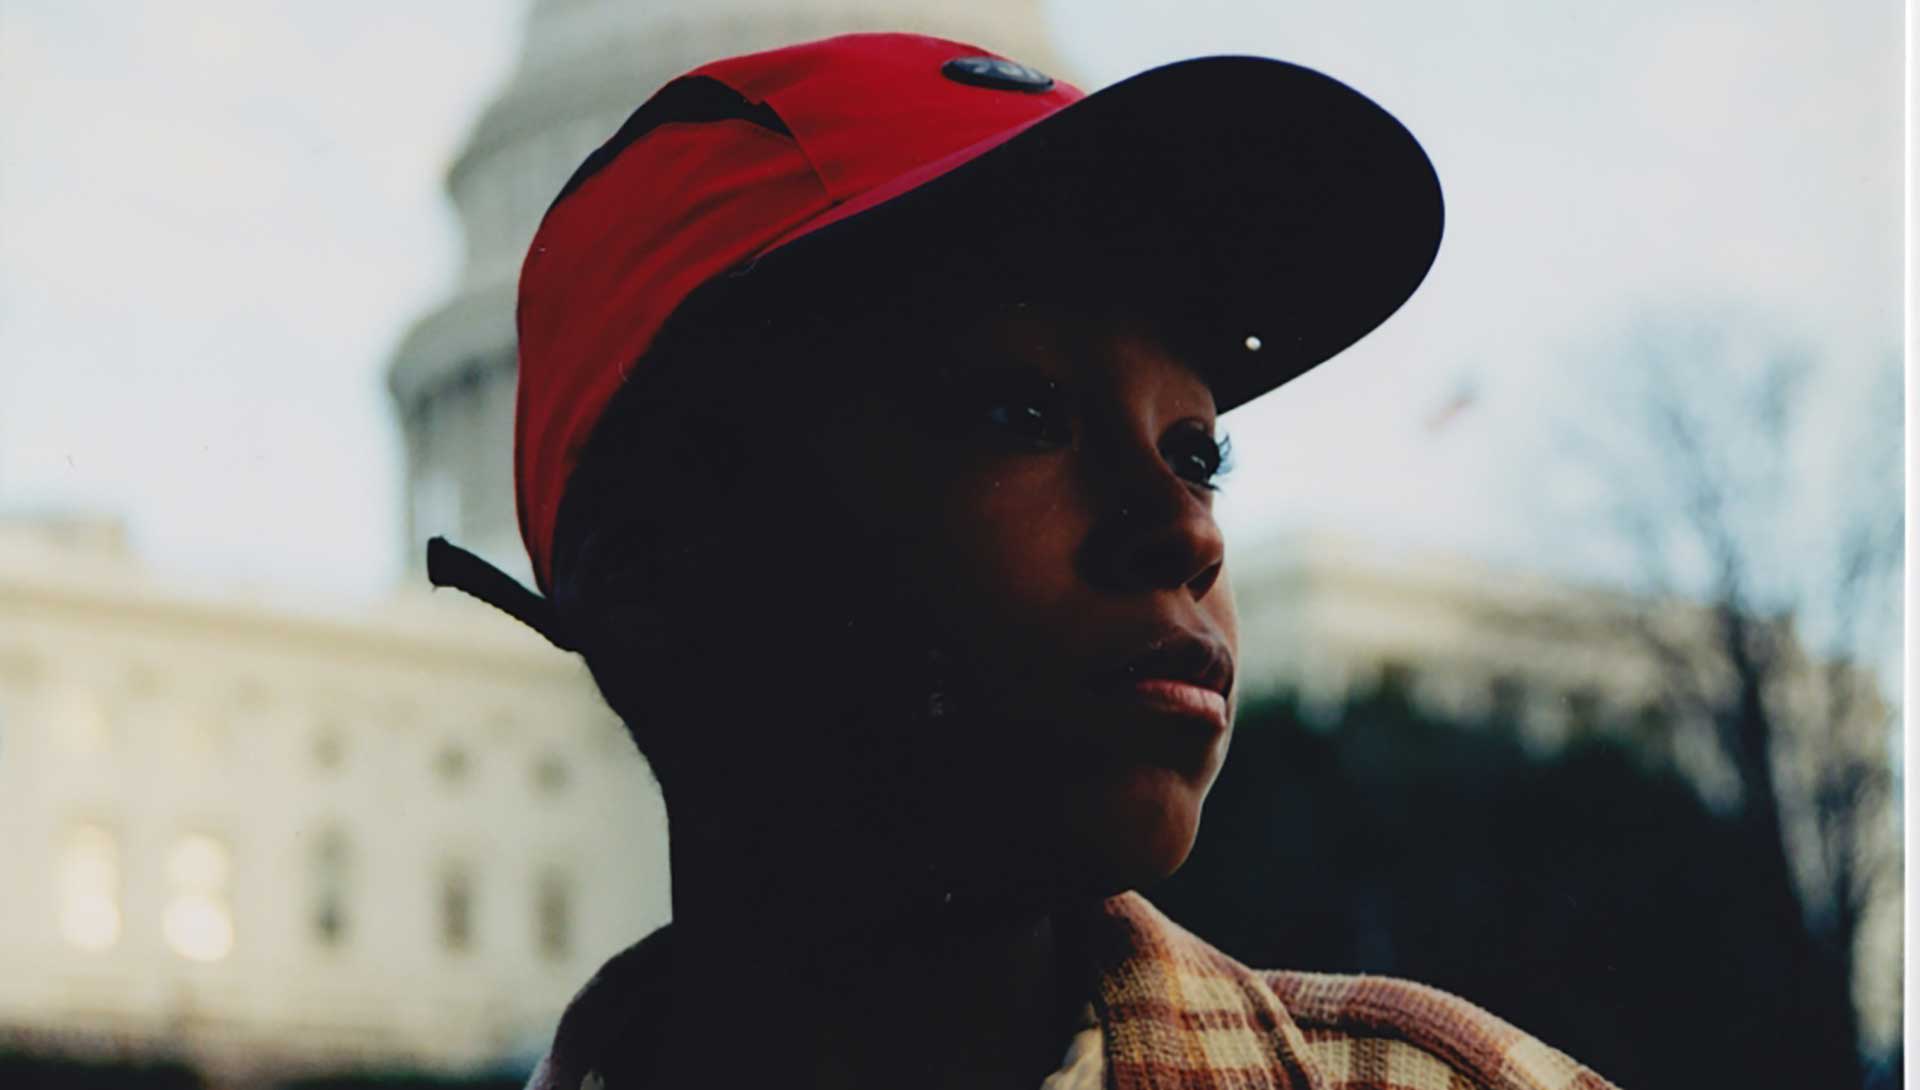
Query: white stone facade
{"points": [[247, 833]]}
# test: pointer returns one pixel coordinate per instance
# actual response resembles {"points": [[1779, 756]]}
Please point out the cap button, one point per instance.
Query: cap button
{"points": [[999, 74]]}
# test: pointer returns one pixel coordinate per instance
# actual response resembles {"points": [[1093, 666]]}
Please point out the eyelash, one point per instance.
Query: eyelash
{"points": [[1222, 462], [1214, 453]]}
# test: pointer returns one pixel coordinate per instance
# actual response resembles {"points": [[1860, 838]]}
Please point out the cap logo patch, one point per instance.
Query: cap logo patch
{"points": [[1001, 75]]}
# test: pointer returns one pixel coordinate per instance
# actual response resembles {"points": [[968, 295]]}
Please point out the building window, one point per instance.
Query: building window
{"points": [[452, 764], [89, 884], [1397, 679], [198, 923], [1507, 698], [553, 916], [331, 861], [1583, 711], [550, 775], [456, 908], [329, 747]]}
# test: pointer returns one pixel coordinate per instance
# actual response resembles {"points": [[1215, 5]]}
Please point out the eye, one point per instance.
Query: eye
{"points": [[1199, 458], [1034, 419], [1024, 406]]}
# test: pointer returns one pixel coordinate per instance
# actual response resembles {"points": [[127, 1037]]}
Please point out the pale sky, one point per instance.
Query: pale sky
{"points": [[217, 219]]}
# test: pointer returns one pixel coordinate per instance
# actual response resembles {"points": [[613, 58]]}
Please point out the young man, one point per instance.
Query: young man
{"points": [[866, 451]]}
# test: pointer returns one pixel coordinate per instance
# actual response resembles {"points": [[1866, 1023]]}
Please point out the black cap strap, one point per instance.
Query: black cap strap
{"points": [[448, 565]]}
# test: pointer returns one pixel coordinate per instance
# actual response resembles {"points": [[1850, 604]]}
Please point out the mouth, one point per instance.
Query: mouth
{"points": [[1182, 675], [1181, 698]]}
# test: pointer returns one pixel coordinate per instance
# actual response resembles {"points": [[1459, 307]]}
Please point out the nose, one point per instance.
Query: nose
{"points": [[1153, 532]]}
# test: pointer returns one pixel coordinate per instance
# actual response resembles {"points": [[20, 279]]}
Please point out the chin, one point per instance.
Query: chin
{"points": [[1136, 830]]}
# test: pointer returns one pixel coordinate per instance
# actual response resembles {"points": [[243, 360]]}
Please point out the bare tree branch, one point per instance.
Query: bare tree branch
{"points": [[1803, 730]]}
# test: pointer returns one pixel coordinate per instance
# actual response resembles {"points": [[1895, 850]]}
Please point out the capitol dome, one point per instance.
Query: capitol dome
{"points": [[584, 66]]}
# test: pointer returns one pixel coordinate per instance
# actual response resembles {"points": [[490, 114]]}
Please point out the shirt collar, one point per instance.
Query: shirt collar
{"points": [[1178, 1013], [1174, 1012]]}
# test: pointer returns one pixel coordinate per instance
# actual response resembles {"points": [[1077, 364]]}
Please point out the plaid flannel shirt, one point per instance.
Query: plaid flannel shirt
{"points": [[1177, 1014]]}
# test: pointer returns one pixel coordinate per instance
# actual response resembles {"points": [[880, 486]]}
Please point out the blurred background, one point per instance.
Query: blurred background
{"points": [[1572, 595]]}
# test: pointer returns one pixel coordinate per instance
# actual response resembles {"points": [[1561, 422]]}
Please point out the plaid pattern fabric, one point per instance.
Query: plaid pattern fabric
{"points": [[1175, 1014], [1180, 1014]]}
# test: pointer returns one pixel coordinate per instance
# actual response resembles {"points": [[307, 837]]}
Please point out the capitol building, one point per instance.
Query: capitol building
{"points": [[400, 837]]}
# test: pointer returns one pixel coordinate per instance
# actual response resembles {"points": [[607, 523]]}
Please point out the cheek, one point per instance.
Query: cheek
{"points": [[987, 558]]}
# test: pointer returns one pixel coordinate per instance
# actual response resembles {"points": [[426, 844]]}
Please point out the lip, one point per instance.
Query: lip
{"points": [[1182, 656], [1181, 698], [1180, 674]]}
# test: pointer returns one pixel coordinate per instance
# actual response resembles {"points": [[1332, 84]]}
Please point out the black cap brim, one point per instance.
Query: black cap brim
{"points": [[1232, 197]]}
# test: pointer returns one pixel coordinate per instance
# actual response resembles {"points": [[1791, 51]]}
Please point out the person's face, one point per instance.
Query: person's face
{"points": [[1035, 501]]}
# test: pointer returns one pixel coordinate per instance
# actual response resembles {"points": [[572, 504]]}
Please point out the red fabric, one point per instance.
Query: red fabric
{"points": [[869, 107], [872, 116]]}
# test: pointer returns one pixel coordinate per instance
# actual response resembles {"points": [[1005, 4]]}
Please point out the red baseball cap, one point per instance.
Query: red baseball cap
{"points": [[1268, 203]]}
